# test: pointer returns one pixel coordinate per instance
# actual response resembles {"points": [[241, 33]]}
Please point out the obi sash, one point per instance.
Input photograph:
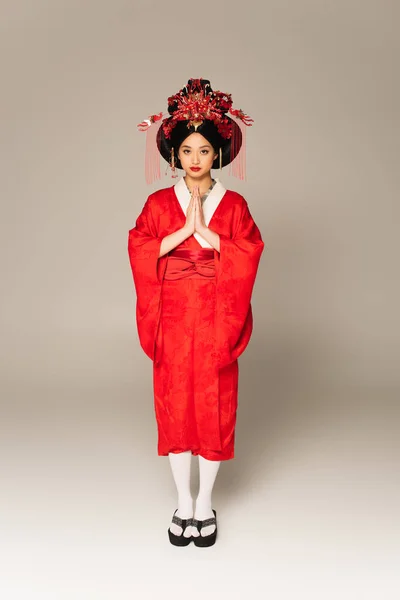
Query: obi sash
{"points": [[185, 262]]}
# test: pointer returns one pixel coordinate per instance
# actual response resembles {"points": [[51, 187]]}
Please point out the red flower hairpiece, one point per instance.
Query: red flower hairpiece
{"points": [[194, 103]]}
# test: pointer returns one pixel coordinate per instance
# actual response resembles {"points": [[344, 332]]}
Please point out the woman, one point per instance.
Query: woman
{"points": [[194, 254]]}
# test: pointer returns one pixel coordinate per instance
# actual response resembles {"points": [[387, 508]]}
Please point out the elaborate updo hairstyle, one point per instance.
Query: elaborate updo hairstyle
{"points": [[180, 125], [196, 108]]}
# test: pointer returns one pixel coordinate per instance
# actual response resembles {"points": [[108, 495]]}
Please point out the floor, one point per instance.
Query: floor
{"points": [[307, 509]]}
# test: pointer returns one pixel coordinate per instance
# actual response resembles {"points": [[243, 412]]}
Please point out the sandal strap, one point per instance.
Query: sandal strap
{"points": [[211, 521], [182, 522]]}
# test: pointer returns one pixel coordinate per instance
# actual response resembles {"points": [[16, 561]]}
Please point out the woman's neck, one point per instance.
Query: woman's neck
{"points": [[204, 182]]}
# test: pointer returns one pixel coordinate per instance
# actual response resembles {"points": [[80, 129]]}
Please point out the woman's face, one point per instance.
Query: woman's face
{"points": [[196, 155]]}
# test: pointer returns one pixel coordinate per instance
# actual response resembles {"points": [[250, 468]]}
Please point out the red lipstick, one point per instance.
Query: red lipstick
{"points": [[195, 168]]}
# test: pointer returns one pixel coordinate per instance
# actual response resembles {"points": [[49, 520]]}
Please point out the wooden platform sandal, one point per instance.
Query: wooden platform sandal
{"points": [[180, 540], [205, 540]]}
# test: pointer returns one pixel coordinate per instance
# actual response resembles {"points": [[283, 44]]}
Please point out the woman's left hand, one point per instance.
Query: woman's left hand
{"points": [[199, 219]]}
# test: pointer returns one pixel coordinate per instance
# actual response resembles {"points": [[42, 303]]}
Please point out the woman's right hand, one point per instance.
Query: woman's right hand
{"points": [[191, 214]]}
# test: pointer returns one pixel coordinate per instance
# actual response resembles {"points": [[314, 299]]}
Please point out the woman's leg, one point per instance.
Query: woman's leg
{"points": [[208, 470], [180, 466]]}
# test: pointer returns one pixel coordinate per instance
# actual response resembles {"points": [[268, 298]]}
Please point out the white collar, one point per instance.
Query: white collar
{"points": [[210, 204]]}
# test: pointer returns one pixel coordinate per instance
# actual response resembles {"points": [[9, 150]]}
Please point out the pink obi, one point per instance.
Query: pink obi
{"points": [[184, 262]]}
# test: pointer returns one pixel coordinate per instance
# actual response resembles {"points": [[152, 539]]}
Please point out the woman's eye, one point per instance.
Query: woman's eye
{"points": [[205, 151]]}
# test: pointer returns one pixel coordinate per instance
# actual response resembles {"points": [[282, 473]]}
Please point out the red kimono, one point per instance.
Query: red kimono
{"points": [[194, 315]]}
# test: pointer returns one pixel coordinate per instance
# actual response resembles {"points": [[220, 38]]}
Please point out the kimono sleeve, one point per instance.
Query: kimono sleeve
{"points": [[148, 272], [236, 270]]}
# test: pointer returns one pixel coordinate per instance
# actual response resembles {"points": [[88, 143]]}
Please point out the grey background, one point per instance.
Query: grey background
{"points": [[309, 506]]}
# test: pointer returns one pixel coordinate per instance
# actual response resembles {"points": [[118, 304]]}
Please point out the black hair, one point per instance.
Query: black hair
{"points": [[208, 130]]}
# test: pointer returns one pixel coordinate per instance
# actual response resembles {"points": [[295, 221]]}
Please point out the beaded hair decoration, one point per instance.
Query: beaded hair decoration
{"points": [[194, 103]]}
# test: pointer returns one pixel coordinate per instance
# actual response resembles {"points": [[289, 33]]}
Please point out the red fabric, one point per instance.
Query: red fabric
{"points": [[184, 262], [194, 319]]}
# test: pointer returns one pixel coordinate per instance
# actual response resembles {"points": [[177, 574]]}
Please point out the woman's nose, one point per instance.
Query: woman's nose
{"points": [[195, 159]]}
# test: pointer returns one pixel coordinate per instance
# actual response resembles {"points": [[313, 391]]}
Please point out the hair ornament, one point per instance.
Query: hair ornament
{"points": [[241, 115], [146, 123], [197, 104]]}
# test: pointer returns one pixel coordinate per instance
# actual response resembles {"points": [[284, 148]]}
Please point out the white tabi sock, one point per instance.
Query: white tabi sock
{"points": [[208, 470], [180, 466]]}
